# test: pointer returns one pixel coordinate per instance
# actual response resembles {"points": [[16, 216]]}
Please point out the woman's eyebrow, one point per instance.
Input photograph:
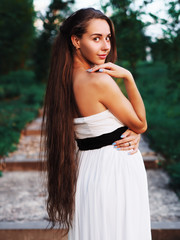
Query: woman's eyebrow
{"points": [[99, 34]]}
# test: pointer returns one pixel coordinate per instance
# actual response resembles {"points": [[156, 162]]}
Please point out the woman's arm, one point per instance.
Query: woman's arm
{"points": [[131, 111]]}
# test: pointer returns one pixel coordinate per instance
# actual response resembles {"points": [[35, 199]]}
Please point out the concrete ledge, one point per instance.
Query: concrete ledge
{"points": [[151, 164], [32, 234], [165, 230], [56, 235], [24, 166], [38, 231], [36, 165], [165, 225], [29, 132], [43, 225], [24, 225], [165, 234]]}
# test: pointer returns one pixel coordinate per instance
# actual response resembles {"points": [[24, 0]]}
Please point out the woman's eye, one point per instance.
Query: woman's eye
{"points": [[96, 39], [108, 38]]}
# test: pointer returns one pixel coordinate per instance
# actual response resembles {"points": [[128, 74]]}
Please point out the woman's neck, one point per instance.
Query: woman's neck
{"points": [[80, 62]]}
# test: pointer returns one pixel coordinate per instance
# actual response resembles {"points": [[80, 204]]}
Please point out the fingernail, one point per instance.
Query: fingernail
{"points": [[100, 70], [122, 136], [129, 153], [89, 70], [114, 143], [115, 146], [118, 148]]}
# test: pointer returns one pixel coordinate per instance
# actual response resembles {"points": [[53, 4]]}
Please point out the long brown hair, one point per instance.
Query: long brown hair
{"points": [[59, 109]]}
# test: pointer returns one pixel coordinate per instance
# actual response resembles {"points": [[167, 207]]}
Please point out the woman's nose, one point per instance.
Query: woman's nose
{"points": [[106, 45]]}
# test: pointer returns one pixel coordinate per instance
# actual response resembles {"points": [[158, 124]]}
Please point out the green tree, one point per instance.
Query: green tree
{"points": [[131, 41], [163, 95], [56, 13], [173, 34], [167, 48], [16, 33]]}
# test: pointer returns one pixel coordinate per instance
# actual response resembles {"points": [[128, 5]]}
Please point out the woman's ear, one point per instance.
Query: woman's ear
{"points": [[75, 41]]}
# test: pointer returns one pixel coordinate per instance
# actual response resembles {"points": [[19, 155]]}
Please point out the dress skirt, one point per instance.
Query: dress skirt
{"points": [[111, 201]]}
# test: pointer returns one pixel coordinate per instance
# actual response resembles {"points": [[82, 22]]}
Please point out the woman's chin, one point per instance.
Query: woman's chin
{"points": [[99, 62], [96, 62]]}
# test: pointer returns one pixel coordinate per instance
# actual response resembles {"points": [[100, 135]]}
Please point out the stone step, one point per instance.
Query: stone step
{"points": [[152, 162], [38, 231], [28, 150], [23, 166], [22, 206], [29, 160], [36, 165], [33, 128], [29, 231], [26, 157], [31, 132]]}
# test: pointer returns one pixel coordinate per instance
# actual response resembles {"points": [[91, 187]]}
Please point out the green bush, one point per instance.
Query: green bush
{"points": [[24, 77], [12, 85], [33, 95], [162, 108], [20, 99], [174, 171], [161, 99]]}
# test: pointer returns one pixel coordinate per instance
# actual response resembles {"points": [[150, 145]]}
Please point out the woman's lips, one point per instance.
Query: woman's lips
{"points": [[102, 56]]}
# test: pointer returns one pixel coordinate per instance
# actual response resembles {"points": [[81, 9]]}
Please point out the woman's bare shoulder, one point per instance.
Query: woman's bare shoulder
{"points": [[98, 82], [103, 81], [100, 78]]}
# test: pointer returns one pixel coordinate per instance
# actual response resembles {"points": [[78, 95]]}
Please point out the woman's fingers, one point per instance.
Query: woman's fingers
{"points": [[101, 68], [111, 69], [126, 140], [130, 141], [127, 146], [127, 133], [133, 151]]}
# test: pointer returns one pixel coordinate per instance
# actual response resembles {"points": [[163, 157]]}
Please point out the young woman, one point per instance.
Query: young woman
{"points": [[97, 189]]}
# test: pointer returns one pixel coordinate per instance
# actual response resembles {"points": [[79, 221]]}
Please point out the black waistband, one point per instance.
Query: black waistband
{"points": [[100, 141]]}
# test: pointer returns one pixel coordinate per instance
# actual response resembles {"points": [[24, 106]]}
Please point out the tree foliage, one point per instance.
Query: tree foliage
{"points": [[167, 49], [16, 33], [159, 80], [57, 12], [131, 41], [161, 92], [20, 99]]}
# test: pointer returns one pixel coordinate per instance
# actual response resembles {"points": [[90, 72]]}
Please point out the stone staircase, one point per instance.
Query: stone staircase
{"points": [[22, 197], [27, 155]]}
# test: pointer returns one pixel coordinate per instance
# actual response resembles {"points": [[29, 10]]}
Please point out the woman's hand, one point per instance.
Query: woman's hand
{"points": [[130, 141], [112, 69]]}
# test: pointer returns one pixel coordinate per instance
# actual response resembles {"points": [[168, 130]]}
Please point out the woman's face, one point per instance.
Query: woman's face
{"points": [[95, 44]]}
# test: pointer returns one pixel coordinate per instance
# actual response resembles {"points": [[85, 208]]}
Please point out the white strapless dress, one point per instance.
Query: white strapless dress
{"points": [[111, 200]]}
